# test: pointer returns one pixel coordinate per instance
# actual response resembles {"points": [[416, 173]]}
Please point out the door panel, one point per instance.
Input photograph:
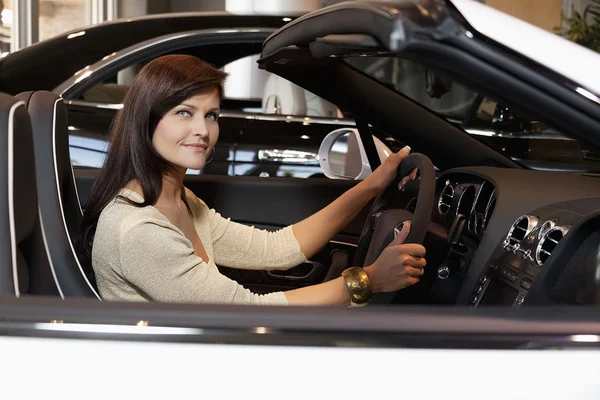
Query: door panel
{"points": [[271, 204]]}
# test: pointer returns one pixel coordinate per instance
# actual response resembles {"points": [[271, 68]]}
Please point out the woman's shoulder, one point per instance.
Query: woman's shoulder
{"points": [[121, 215]]}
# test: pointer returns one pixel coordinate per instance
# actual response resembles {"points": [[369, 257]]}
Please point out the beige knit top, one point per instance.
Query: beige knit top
{"points": [[138, 255]]}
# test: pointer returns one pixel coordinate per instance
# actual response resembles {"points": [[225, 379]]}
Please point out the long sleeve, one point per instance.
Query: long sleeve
{"points": [[160, 262], [245, 247]]}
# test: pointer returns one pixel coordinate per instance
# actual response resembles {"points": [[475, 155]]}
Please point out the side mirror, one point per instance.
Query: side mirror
{"points": [[343, 156]]}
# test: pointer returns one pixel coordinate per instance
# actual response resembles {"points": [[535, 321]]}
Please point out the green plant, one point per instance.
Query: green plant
{"points": [[583, 28]]}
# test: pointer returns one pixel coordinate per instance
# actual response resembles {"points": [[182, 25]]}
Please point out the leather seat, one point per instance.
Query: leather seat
{"points": [[59, 208], [281, 96], [24, 263]]}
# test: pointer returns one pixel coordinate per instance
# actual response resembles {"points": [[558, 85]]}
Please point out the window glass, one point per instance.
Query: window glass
{"points": [[509, 131], [247, 89], [274, 148]]}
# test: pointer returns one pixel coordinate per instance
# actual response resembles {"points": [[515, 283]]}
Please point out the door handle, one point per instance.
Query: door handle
{"points": [[306, 271]]}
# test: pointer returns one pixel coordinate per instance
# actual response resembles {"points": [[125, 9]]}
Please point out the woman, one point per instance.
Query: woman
{"points": [[150, 238]]}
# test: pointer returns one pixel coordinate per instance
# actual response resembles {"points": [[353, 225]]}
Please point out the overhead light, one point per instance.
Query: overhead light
{"points": [[287, 19], [305, 137]]}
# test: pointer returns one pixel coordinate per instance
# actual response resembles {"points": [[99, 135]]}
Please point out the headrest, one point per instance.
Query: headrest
{"points": [[281, 96]]}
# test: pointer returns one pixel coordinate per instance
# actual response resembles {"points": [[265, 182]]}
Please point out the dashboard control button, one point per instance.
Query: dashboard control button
{"points": [[483, 280], [526, 283], [520, 300], [473, 299], [443, 272], [479, 289]]}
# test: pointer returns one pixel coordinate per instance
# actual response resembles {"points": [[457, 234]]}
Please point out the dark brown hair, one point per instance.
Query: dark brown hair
{"points": [[160, 86]]}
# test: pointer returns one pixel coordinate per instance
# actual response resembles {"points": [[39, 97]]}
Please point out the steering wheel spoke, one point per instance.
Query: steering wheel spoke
{"points": [[385, 222]]}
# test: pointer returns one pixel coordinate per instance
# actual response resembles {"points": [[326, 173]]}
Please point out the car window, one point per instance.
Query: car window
{"points": [[283, 143], [509, 131]]}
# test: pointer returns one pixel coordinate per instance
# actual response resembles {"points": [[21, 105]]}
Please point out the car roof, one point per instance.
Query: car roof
{"points": [[573, 61]]}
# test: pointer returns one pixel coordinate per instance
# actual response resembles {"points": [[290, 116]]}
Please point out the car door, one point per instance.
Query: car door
{"points": [[236, 182]]}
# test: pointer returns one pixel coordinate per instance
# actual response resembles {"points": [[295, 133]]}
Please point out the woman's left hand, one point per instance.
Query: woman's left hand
{"points": [[385, 174]]}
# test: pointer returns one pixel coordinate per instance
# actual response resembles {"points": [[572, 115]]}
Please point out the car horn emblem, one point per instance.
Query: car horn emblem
{"points": [[398, 229]]}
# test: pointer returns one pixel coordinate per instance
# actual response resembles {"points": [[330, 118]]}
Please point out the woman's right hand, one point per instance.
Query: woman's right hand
{"points": [[398, 266]]}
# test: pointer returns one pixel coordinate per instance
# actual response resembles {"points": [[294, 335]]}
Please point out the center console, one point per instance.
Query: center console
{"points": [[519, 258]]}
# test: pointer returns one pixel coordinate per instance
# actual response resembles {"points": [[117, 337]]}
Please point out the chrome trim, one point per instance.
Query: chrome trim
{"points": [[398, 229], [10, 169], [237, 114], [140, 328], [288, 156], [460, 199], [539, 249], [519, 135], [531, 224], [343, 243], [486, 215], [64, 88], [440, 203], [546, 226]]}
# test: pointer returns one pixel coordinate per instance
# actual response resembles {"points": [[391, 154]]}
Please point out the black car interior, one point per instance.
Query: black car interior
{"points": [[25, 266], [59, 207], [503, 221], [497, 233]]}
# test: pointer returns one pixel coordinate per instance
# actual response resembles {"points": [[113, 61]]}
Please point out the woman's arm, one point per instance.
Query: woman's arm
{"points": [[317, 230]]}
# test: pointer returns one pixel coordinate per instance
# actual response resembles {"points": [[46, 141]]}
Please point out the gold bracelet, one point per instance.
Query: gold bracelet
{"points": [[359, 286]]}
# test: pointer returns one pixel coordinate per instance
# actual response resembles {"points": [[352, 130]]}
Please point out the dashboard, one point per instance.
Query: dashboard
{"points": [[518, 237]]}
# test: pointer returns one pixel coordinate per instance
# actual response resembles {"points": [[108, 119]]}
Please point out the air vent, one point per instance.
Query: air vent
{"points": [[488, 214], [519, 231], [548, 243], [446, 197]]}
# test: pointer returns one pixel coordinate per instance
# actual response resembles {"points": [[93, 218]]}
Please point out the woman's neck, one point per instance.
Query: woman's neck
{"points": [[172, 189], [171, 192]]}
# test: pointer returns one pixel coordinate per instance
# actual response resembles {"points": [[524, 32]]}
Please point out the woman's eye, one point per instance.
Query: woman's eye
{"points": [[212, 116], [184, 113]]}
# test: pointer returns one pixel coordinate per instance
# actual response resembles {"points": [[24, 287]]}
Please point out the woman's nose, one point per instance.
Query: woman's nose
{"points": [[201, 130]]}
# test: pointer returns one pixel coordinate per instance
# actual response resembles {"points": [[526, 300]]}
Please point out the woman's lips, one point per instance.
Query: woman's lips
{"points": [[201, 148]]}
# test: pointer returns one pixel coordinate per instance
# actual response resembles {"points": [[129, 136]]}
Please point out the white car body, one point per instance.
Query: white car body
{"points": [[75, 369]]}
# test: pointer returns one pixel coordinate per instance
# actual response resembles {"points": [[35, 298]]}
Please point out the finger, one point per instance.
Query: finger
{"points": [[401, 237], [413, 249], [399, 156], [404, 152], [415, 263], [414, 272], [411, 281], [413, 174], [402, 184]]}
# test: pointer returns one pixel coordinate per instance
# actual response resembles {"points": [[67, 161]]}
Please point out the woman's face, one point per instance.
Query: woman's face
{"points": [[187, 134]]}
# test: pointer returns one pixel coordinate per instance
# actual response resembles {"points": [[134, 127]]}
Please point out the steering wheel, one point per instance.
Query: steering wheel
{"points": [[384, 223]]}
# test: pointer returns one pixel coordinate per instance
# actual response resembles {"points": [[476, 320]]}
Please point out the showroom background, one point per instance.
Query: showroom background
{"points": [[25, 22]]}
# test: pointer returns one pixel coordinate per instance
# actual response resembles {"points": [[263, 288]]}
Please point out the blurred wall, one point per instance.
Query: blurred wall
{"points": [[542, 13]]}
